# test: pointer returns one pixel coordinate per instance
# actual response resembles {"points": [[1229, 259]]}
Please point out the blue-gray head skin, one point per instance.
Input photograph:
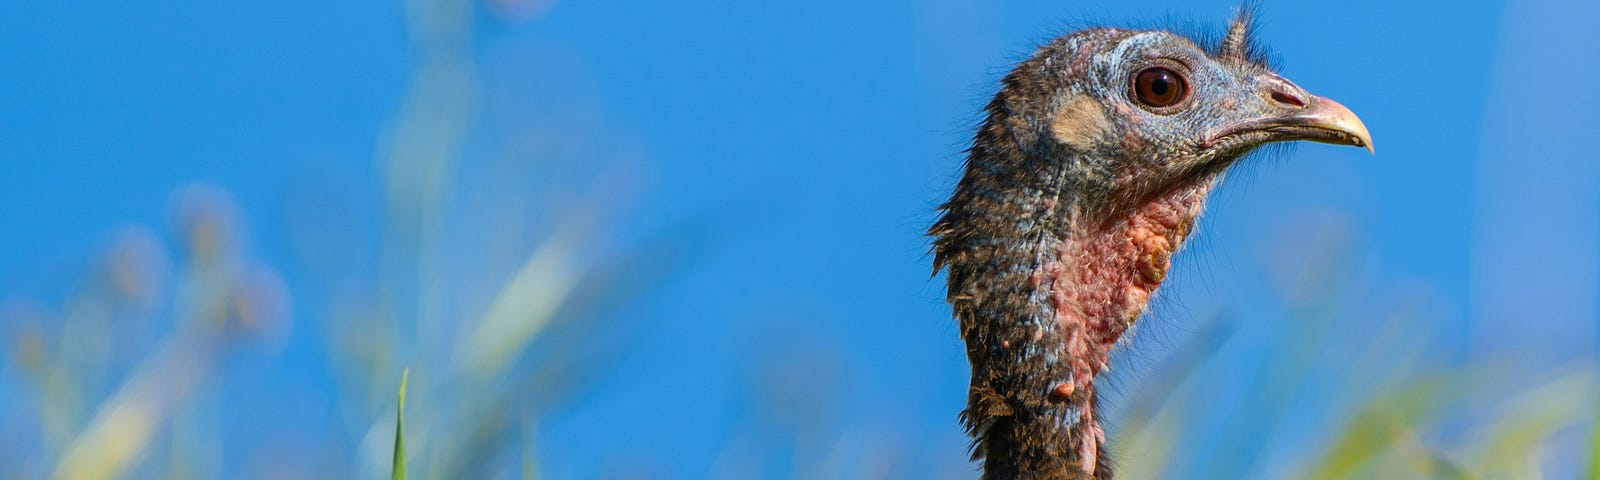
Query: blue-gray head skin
{"points": [[1095, 158]]}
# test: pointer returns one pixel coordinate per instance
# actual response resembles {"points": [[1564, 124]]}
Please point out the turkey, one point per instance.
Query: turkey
{"points": [[1093, 161]]}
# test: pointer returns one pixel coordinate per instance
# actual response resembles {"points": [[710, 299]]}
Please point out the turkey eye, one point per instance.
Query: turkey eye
{"points": [[1159, 87]]}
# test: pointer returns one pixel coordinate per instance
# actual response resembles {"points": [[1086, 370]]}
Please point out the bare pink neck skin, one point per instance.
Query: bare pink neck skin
{"points": [[1099, 281]]}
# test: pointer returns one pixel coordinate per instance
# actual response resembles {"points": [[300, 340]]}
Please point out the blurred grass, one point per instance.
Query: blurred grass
{"points": [[490, 364], [1356, 385], [399, 468]]}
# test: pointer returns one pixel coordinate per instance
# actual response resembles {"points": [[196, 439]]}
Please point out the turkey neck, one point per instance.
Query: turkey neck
{"points": [[1044, 281]]}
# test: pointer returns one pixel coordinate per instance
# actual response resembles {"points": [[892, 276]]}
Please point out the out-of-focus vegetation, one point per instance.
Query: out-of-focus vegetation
{"points": [[1357, 385], [126, 361], [500, 314], [398, 462]]}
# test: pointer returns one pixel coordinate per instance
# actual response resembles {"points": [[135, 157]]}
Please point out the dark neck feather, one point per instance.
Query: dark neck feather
{"points": [[1044, 281]]}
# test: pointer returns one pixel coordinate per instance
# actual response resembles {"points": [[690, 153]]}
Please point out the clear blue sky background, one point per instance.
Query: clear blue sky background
{"points": [[836, 127]]}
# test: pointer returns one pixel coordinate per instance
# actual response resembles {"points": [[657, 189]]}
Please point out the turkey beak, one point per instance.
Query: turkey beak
{"points": [[1301, 116], [1329, 122]]}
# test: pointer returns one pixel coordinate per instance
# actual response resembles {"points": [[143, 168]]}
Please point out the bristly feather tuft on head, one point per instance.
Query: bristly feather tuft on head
{"points": [[1239, 43]]}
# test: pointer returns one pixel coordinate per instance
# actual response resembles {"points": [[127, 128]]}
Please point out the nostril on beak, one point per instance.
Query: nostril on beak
{"points": [[1287, 98]]}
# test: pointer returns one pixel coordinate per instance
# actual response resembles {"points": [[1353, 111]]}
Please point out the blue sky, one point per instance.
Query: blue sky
{"points": [[821, 134]]}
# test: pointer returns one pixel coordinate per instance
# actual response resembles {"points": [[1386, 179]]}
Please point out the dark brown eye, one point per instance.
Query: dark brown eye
{"points": [[1159, 87]]}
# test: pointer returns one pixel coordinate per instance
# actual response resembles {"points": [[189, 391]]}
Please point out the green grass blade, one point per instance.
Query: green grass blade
{"points": [[399, 470]]}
